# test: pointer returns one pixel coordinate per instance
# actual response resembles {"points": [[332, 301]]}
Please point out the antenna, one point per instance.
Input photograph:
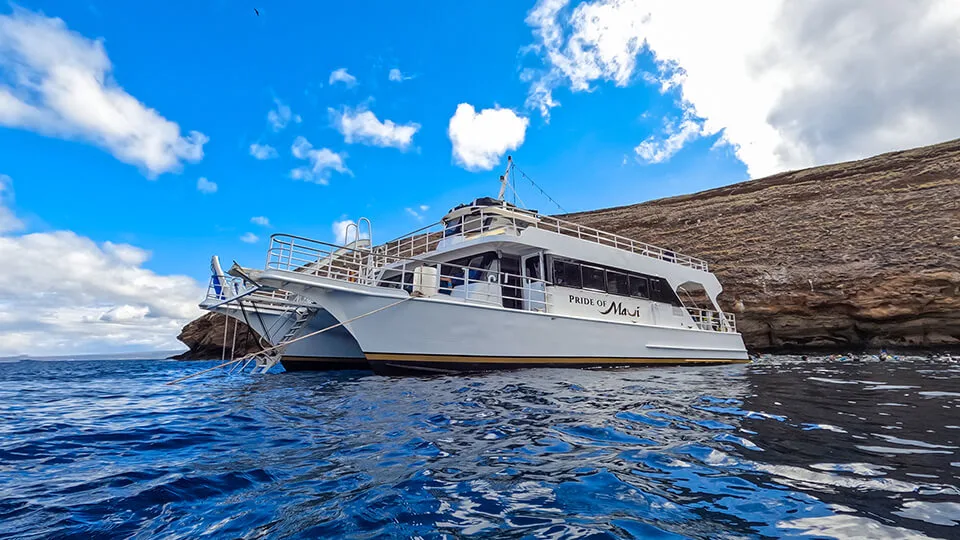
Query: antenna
{"points": [[503, 178]]}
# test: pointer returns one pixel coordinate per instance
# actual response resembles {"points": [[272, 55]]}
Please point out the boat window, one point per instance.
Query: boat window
{"points": [[566, 274], [656, 289], [452, 228], [593, 278], [638, 287], [617, 283], [532, 269]]}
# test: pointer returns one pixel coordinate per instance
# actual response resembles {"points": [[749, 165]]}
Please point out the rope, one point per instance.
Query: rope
{"points": [[542, 192], [253, 355]]}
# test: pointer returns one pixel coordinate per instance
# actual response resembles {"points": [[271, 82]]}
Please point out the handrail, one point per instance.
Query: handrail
{"points": [[423, 240], [372, 267]]}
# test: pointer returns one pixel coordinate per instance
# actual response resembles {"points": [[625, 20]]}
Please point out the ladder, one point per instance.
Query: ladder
{"points": [[266, 360]]}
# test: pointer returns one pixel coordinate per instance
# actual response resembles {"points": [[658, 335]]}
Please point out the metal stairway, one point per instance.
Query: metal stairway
{"points": [[265, 360]]}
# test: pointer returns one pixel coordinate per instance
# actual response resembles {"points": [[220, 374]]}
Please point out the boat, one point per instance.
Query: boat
{"points": [[496, 286]]}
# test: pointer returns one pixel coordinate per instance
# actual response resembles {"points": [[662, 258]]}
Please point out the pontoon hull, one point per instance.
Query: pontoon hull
{"points": [[439, 335], [331, 350]]}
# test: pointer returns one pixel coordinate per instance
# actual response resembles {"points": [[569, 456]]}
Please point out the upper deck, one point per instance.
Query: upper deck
{"points": [[471, 222]]}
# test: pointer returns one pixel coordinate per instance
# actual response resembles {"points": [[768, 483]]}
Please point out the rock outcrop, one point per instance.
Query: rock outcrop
{"points": [[205, 337], [863, 254], [846, 256]]}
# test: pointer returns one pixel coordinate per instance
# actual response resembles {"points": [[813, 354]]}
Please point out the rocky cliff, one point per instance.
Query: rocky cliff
{"points": [[852, 255], [846, 256], [205, 337]]}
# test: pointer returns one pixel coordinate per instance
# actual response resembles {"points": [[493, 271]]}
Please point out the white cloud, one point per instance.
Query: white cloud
{"points": [[260, 220], [125, 312], [206, 186], [9, 222], [322, 162], [280, 117], [362, 126], [418, 215], [480, 139], [262, 151], [61, 293], [397, 76], [341, 76], [59, 83], [250, 238], [655, 150], [787, 84]]}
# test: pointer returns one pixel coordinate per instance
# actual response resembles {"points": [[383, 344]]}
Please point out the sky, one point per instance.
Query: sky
{"points": [[137, 139]]}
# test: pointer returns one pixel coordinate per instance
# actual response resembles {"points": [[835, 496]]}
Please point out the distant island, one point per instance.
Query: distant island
{"points": [[857, 255]]}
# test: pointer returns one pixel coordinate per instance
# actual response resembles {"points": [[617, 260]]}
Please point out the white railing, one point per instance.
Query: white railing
{"points": [[373, 268], [231, 286], [426, 239], [714, 321]]}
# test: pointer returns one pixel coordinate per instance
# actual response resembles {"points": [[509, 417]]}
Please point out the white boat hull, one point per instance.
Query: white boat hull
{"points": [[440, 334], [334, 349]]}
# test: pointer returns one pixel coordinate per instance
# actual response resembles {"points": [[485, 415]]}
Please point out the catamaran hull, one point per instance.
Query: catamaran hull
{"points": [[331, 350], [437, 335]]}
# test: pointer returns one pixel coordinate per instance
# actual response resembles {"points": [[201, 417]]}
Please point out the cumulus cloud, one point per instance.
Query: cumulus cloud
{"points": [[262, 151], [250, 238], [786, 84], [280, 117], [362, 126], [206, 186], [59, 83], [342, 76], [481, 139], [61, 293], [260, 220], [322, 162], [8, 221]]}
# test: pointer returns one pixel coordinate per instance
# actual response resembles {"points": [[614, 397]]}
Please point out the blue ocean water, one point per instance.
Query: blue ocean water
{"points": [[777, 448]]}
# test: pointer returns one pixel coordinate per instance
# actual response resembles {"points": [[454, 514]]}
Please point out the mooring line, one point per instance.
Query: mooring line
{"points": [[254, 355]]}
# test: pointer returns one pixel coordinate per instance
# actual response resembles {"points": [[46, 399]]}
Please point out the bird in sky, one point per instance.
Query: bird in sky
{"points": [[257, 11]]}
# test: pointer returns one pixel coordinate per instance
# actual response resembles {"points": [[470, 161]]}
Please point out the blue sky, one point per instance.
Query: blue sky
{"points": [[603, 103]]}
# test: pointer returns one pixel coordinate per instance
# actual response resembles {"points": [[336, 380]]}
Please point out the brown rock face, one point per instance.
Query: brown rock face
{"points": [[205, 337], [845, 256]]}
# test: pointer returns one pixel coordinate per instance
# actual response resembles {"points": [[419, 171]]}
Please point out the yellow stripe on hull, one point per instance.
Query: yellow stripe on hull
{"points": [[381, 357]]}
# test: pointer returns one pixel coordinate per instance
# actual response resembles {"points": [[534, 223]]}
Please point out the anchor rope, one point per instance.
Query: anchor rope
{"points": [[253, 355]]}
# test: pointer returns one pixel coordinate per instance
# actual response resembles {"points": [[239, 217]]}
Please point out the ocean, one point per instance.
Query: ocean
{"points": [[780, 447]]}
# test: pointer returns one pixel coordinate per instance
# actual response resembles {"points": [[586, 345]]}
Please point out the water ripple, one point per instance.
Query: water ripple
{"points": [[777, 448]]}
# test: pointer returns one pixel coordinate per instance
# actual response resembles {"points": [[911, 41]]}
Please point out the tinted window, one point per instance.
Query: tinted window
{"points": [[566, 274], [533, 268], [656, 290], [593, 278], [638, 287], [617, 283]]}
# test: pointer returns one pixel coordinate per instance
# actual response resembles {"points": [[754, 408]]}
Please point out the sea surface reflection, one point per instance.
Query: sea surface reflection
{"points": [[781, 447]]}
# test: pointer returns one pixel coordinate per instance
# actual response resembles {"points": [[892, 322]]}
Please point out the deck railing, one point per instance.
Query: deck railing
{"points": [[371, 267], [706, 319], [492, 219], [231, 287]]}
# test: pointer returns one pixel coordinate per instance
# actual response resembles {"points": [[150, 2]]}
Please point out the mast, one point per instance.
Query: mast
{"points": [[504, 177]]}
